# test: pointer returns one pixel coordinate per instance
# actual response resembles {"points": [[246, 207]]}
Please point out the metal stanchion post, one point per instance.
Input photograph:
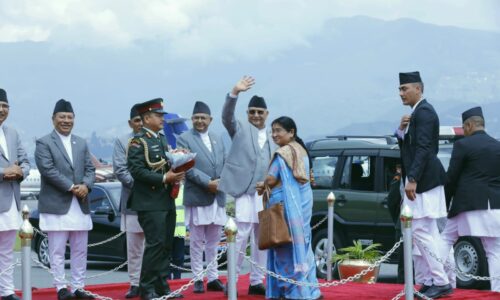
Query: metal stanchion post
{"points": [[26, 234], [230, 230], [331, 207], [406, 221]]}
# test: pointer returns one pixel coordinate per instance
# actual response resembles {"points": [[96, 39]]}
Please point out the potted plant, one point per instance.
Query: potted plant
{"points": [[354, 259]]}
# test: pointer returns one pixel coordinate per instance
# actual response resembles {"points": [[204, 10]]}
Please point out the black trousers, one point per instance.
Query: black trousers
{"points": [[158, 227]]}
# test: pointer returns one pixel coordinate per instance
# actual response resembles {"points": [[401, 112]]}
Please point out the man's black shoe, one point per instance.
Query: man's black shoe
{"points": [[198, 287], [436, 291], [133, 292], [83, 294], [65, 294], [216, 286], [424, 288], [149, 296], [11, 297], [257, 289]]}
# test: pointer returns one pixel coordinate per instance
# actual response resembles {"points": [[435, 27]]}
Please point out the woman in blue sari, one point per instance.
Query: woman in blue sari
{"points": [[288, 178]]}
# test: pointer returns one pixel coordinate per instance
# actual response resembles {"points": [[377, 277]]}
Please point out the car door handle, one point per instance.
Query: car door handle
{"points": [[385, 203], [341, 200]]}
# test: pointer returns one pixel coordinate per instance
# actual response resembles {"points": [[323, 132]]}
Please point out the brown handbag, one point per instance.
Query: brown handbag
{"points": [[273, 229]]}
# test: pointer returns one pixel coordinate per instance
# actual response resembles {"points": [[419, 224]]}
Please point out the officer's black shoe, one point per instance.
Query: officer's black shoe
{"points": [[65, 294], [149, 296], [83, 294], [11, 297], [133, 292], [257, 289], [436, 291], [424, 288], [198, 287], [216, 286]]}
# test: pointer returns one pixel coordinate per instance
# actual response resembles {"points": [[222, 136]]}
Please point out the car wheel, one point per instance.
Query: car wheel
{"points": [[320, 249], [471, 259], [42, 250]]}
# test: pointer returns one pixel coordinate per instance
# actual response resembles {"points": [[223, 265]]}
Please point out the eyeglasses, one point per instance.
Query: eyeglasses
{"points": [[255, 111]]}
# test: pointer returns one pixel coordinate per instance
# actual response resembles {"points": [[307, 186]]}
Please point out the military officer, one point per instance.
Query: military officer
{"points": [[150, 197]]}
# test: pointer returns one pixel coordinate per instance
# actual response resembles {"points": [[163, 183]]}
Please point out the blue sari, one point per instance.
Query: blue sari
{"points": [[296, 260]]}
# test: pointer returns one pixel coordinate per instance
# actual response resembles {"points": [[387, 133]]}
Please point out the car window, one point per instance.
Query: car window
{"points": [[392, 166], [323, 171], [358, 173], [98, 198], [444, 156]]}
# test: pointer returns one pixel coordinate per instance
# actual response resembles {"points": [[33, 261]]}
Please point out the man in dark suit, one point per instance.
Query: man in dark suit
{"points": [[14, 168], [424, 177], [67, 175], [473, 191], [205, 204], [128, 220], [150, 197]]}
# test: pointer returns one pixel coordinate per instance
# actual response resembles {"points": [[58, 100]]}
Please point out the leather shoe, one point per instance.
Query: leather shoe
{"points": [[216, 286], [436, 291], [424, 288], [149, 296], [257, 289], [198, 287], [65, 294], [11, 297], [133, 292], [83, 294]]}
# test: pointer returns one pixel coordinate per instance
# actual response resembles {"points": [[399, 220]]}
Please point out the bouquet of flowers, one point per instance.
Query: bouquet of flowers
{"points": [[181, 161]]}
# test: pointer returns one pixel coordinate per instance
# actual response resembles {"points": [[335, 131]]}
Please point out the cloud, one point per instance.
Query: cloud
{"points": [[220, 29]]}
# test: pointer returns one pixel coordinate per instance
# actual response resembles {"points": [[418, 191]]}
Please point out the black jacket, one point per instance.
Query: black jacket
{"points": [[420, 147], [473, 176]]}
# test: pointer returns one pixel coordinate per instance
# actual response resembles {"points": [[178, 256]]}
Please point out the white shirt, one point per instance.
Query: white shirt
{"points": [[206, 140], [3, 142], [247, 208], [430, 204], [74, 219], [262, 137], [205, 215]]}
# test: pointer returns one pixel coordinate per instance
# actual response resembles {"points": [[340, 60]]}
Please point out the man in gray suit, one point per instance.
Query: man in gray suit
{"points": [[67, 175], [129, 222], [14, 167], [246, 165], [205, 205]]}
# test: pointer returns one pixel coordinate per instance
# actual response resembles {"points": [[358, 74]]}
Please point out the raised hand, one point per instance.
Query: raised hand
{"points": [[405, 120], [243, 85]]}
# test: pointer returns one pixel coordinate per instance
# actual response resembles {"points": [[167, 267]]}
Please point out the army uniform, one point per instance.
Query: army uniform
{"points": [[150, 197]]}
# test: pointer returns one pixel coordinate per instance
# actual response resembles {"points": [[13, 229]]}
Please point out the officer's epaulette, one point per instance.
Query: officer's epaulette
{"points": [[148, 134]]}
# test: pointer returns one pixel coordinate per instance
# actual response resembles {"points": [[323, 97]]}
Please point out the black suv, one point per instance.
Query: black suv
{"points": [[359, 171]]}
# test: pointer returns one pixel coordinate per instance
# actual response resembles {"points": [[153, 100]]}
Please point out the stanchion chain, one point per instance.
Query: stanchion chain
{"points": [[450, 267], [89, 245], [421, 296], [191, 271], [11, 267], [320, 222], [108, 272], [398, 296], [327, 284], [194, 279]]}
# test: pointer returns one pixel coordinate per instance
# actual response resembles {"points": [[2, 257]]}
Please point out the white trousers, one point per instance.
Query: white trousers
{"points": [[246, 230], [427, 268], [491, 247], [204, 237], [7, 239], [78, 252], [135, 249]]}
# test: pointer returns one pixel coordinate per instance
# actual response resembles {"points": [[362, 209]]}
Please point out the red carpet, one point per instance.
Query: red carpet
{"points": [[382, 291]]}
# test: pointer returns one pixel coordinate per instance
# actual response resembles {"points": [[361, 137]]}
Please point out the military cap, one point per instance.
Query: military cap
{"points": [[257, 101], [409, 77], [473, 112], [63, 106], [3, 96], [154, 105], [201, 108]]}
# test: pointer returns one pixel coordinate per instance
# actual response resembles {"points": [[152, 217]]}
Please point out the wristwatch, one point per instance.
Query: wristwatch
{"points": [[411, 179]]}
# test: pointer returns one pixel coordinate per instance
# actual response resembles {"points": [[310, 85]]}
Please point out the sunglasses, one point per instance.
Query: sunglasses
{"points": [[255, 111]]}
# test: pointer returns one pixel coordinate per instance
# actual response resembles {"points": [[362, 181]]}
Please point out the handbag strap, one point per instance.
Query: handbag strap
{"points": [[265, 196]]}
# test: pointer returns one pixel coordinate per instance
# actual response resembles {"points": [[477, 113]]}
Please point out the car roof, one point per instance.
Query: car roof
{"points": [[334, 143], [111, 184]]}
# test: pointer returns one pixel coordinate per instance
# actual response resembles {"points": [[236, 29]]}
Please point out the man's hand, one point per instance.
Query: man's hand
{"points": [[260, 187], [213, 185], [411, 190], [171, 177], [405, 120], [13, 172], [80, 191], [243, 85]]}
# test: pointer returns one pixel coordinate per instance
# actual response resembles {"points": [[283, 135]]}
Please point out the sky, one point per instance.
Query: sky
{"points": [[221, 30]]}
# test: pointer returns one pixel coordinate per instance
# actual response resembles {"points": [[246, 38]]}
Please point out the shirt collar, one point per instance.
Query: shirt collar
{"points": [[416, 104], [151, 131], [64, 137]]}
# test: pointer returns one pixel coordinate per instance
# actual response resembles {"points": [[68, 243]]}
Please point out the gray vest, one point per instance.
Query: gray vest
{"points": [[261, 168]]}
